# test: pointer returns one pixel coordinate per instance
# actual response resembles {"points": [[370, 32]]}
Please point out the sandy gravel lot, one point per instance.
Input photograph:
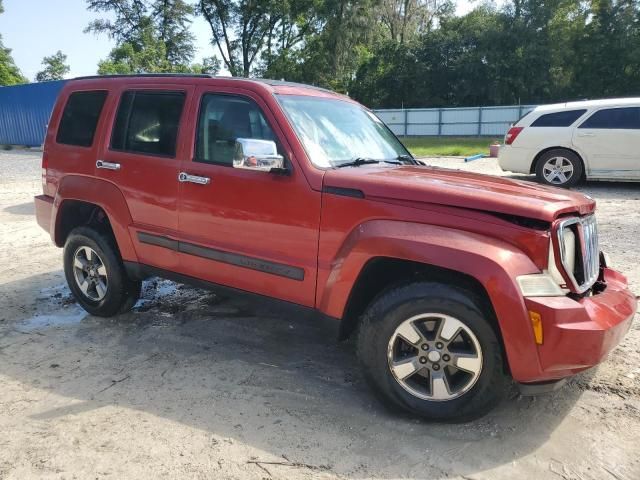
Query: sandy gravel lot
{"points": [[191, 385]]}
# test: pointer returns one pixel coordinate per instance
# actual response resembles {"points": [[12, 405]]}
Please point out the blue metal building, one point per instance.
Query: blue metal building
{"points": [[25, 112]]}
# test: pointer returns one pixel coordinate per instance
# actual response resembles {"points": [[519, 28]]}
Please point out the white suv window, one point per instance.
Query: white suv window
{"points": [[625, 118], [558, 119]]}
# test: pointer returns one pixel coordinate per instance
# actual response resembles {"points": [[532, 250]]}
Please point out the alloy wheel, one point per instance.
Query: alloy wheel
{"points": [[90, 273], [557, 170], [435, 357]]}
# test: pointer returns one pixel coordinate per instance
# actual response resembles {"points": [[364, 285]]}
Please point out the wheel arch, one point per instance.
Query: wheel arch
{"points": [[396, 252], [380, 274], [81, 200]]}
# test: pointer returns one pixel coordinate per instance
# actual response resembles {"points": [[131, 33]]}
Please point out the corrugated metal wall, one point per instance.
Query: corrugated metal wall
{"points": [[468, 121], [25, 112]]}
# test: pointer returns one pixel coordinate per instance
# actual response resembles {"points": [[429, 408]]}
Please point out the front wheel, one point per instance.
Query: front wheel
{"points": [[95, 273], [429, 349]]}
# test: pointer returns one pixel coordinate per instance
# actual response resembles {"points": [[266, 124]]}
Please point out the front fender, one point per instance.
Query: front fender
{"points": [[103, 194], [493, 263]]}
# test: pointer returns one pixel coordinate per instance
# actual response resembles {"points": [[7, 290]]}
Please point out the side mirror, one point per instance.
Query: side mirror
{"points": [[262, 155]]}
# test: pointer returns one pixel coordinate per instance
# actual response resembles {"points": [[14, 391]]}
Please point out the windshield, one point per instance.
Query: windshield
{"points": [[336, 132]]}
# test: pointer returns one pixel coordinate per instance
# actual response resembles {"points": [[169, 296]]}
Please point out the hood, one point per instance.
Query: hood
{"points": [[474, 191]]}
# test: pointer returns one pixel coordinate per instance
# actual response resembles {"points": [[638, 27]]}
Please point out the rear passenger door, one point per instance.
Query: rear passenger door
{"points": [[141, 155], [610, 141]]}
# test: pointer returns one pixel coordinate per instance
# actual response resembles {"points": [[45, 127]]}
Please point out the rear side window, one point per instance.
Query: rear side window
{"points": [[558, 119], [80, 118], [147, 122], [627, 118]]}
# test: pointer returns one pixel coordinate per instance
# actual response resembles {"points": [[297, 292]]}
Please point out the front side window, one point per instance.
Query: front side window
{"points": [[223, 120], [147, 123], [334, 131], [558, 119], [80, 118], [627, 118]]}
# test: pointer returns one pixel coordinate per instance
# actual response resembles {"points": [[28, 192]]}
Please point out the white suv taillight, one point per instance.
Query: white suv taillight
{"points": [[512, 134]]}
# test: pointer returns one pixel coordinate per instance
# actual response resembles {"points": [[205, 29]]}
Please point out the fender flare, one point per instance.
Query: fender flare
{"points": [[105, 195], [495, 264]]}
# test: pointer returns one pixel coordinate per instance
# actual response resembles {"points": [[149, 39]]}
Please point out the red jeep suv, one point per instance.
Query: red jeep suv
{"points": [[453, 282]]}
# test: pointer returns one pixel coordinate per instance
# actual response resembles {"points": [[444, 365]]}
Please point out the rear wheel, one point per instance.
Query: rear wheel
{"points": [[96, 275], [560, 168], [429, 349]]}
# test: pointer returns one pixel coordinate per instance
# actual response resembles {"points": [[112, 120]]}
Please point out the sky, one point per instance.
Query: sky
{"points": [[58, 25]]}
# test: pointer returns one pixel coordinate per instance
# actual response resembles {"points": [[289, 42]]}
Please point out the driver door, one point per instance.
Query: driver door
{"points": [[241, 227]]}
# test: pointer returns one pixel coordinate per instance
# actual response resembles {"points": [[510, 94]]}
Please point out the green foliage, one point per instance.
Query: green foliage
{"points": [[446, 146], [9, 73], [151, 37], [239, 29], [392, 53], [527, 52], [145, 54], [55, 68]]}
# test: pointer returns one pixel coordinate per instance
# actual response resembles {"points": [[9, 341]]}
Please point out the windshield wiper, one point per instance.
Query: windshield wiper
{"points": [[356, 162], [409, 159]]}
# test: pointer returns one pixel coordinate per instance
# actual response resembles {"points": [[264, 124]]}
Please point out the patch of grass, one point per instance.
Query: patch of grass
{"points": [[447, 146]]}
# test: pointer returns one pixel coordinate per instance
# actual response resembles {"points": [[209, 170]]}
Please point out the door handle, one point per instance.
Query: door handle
{"points": [[586, 134], [186, 178], [107, 165]]}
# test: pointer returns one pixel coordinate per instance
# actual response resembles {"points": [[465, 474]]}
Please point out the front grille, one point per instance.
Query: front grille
{"points": [[583, 270]]}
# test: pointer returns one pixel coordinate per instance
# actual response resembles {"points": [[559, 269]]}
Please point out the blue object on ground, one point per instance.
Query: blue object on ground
{"points": [[475, 157]]}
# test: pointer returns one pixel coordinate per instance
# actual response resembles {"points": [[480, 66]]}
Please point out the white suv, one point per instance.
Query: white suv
{"points": [[565, 143]]}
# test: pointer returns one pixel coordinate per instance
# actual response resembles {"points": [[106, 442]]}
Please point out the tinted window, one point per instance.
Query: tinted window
{"points": [[147, 122], [558, 119], [618, 118], [223, 119], [80, 118]]}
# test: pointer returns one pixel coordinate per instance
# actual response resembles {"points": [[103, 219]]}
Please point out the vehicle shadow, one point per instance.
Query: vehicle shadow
{"points": [[608, 190], [250, 373], [27, 208]]}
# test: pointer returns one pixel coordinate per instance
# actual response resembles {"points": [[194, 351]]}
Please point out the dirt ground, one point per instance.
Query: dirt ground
{"points": [[191, 385]]}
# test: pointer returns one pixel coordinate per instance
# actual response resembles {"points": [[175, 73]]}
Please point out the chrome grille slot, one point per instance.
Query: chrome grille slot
{"points": [[584, 271]]}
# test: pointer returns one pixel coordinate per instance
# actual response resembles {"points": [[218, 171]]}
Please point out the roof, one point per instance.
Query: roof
{"points": [[606, 102]]}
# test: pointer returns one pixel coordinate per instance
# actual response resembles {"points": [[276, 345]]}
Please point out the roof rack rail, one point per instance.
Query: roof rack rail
{"points": [[137, 75], [204, 75]]}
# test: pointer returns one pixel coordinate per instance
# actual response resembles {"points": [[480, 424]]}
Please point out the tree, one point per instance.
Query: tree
{"points": [[239, 29], [209, 66], [405, 19], [172, 20], [55, 68], [145, 54], [9, 72], [150, 36], [331, 38]]}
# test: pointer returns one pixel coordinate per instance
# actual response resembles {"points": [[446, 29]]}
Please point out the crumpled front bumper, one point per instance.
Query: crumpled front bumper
{"points": [[579, 334]]}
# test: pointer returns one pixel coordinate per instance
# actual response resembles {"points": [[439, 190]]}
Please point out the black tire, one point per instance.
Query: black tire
{"points": [[121, 292], [567, 157], [390, 309]]}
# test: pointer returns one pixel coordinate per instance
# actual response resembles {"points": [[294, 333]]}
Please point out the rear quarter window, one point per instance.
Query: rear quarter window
{"points": [[626, 118], [80, 118], [558, 119]]}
